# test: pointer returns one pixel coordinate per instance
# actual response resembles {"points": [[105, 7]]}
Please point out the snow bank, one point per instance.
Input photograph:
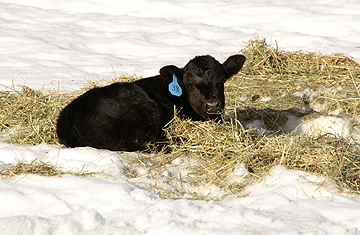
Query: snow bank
{"points": [[63, 43], [285, 202]]}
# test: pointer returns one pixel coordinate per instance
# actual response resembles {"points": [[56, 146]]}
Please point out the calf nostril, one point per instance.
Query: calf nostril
{"points": [[212, 106], [207, 106]]}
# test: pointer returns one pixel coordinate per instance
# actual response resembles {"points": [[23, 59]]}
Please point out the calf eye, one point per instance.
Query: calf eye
{"points": [[191, 86]]}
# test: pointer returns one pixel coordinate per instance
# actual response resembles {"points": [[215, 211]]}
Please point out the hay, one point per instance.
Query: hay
{"points": [[272, 85], [221, 147], [268, 61], [277, 79], [34, 167], [33, 113]]}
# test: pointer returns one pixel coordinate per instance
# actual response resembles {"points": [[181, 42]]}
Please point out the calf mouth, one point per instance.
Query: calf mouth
{"points": [[213, 115]]}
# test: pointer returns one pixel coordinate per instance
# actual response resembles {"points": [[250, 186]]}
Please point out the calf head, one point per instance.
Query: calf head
{"points": [[202, 81]]}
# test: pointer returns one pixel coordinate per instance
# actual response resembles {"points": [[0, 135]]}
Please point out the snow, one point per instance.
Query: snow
{"points": [[60, 44], [285, 202], [47, 42]]}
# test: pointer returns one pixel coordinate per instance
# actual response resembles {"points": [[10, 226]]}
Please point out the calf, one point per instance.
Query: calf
{"points": [[127, 116]]}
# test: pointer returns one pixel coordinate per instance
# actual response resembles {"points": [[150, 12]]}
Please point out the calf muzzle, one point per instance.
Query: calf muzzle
{"points": [[213, 106]]}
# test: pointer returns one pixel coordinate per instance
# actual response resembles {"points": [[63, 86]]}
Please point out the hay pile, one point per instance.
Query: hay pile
{"points": [[36, 168], [29, 116], [221, 147], [271, 84], [270, 77]]}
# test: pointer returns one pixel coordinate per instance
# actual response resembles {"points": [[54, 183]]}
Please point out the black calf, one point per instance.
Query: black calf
{"points": [[127, 116]]}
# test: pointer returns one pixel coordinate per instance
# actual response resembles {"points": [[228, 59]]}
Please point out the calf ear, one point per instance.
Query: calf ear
{"points": [[233, 64], [168, 71]]}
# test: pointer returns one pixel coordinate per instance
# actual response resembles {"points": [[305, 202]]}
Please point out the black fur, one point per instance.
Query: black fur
{"points": [[127, 116]]}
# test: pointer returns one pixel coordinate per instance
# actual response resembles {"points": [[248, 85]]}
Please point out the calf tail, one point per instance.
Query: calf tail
{"points": [[65, 129]]}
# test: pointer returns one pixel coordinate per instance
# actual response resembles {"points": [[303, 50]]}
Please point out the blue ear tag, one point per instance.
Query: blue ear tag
{"points": [[174, 87]]}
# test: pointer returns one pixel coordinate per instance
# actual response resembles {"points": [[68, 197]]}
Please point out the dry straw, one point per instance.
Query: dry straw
{"points": [[36, 168], [221, 147], [30, 115], [272, 84]]}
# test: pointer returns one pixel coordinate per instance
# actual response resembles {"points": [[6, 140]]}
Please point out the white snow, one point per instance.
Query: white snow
{"points": [[60, 44]]}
